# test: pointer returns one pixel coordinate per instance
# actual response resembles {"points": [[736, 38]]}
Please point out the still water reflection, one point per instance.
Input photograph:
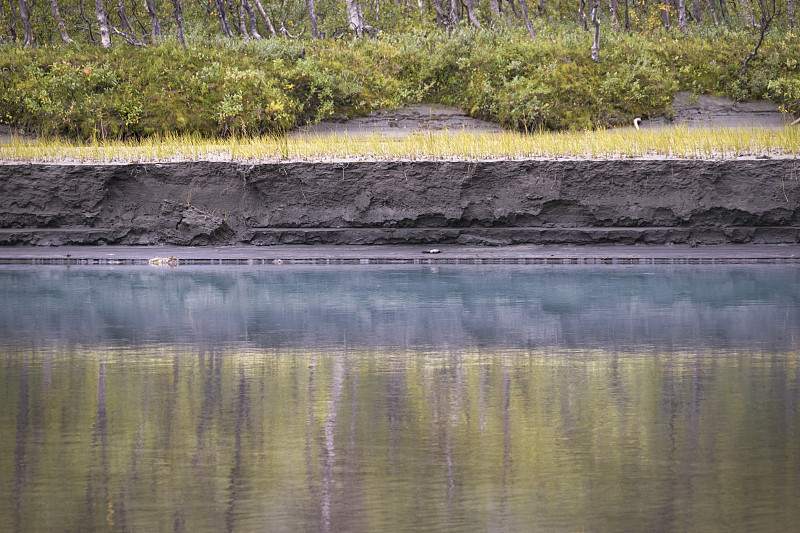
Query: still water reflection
{"points": [[376, 399]]}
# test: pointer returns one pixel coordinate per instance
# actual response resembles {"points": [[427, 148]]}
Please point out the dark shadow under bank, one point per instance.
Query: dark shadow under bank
{"points": [[586, 202]]}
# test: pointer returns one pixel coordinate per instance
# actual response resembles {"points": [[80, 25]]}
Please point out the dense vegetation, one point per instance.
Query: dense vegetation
{"points": [[528, 79]]}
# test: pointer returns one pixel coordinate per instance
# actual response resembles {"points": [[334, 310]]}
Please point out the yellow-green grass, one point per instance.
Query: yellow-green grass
{"points": [[672, 142]]}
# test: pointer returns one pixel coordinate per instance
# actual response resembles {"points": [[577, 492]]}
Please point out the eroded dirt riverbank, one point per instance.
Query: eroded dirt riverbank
{"points": [[403, 202]]}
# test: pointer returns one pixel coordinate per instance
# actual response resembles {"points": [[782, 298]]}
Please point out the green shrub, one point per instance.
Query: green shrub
{"points": [[235, 87]]}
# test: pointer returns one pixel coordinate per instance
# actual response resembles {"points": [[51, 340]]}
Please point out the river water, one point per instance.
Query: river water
{"points": [[364, 398]]}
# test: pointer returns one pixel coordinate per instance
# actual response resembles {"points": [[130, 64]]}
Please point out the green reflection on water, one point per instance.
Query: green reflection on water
{"points": [[160, 438]]}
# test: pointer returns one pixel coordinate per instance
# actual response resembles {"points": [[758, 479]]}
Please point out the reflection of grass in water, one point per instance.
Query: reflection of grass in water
{"points": [[681, 142]]}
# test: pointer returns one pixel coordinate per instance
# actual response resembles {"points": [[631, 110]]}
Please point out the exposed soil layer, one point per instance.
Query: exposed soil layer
{"points": [[404, 202], [719, 112], [422, 118]]}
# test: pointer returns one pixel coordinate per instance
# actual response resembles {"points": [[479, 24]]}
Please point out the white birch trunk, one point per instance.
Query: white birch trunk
{"points": [[354, 19], [596, 24], [102, 20], [62, 28], [260, 8]]}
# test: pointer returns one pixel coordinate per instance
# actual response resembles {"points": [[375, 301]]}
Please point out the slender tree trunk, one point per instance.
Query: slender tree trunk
{"points": [[251, 13], [102, 20], [513, 8], [223, 18], [441, 16], [665, 14], [627, 17], [613, 6], [312, 19], [25, 15], [710, 4], [453, 12], [790, 12], [723, 11], [494, 7], [470, 6], [768, 11], [62, 28], [682, 15], [178, 11], [582, 14], [354, 19], [697, 11], [242, 22], [126, 25], [155, 26], [12, 25], [523, 4], [260, 8], [596, 24]]}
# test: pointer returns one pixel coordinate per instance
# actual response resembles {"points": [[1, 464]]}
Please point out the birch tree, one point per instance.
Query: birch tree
{"points": [[251, 13], [178, 12], [582, 14], [129, 33], [596, 24], [523, 4], [223, 18], [697, 11], [494, 7], [260, 8], [768, 11], [312, 18], [155, 24], [355, 19], [470, 7], [62, 28], [713, 11], [242, 21], [25, 15], [13, 22], [102, 20]]}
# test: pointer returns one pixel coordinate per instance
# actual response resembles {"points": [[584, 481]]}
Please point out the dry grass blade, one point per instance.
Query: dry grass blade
{"points": [[678, 142]]}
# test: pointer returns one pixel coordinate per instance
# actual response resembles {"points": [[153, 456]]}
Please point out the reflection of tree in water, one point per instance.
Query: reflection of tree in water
{"points": [[210, 365], [98, 500], [454, 440], [21, 445], [238, 480], [312, 490], [328, 448]]}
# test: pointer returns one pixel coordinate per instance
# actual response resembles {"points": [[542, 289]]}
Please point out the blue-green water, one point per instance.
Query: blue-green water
{"points": [[359, 398]]}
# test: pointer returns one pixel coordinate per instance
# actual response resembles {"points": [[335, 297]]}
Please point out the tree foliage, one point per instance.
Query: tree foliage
{"points": [[254, 67]]}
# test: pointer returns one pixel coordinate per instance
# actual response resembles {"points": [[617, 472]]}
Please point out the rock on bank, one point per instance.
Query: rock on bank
{"points": [[403, 202]]}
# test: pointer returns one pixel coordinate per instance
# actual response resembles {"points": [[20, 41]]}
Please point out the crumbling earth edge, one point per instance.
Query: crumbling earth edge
{"points": [[626, 201]]}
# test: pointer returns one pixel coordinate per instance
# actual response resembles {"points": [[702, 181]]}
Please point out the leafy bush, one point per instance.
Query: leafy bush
{"points": [[235, 87]]}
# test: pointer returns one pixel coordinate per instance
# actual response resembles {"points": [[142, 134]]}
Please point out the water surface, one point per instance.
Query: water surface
{"points": [[416, 398]]}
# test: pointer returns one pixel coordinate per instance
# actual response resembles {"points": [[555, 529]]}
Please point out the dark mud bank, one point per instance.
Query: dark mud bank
{"points": [[403, 202]]}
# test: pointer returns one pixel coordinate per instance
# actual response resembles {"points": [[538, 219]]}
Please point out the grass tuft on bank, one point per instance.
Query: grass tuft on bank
{"points": [[675, 142]]}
